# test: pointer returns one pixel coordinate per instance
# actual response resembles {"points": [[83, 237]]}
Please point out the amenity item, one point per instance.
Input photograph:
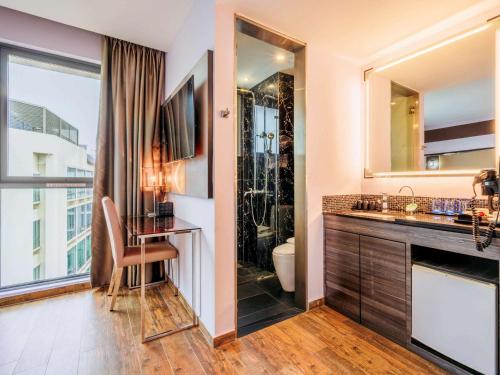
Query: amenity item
{"points": [[284, 263]]}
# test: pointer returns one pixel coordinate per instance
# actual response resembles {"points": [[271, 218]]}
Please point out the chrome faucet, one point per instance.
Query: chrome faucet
{"points": [[412, 198]]}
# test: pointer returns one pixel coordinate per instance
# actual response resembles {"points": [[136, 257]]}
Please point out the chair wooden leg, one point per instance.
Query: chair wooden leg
{"points": [[118, 278], [178, 281], [112, 281]]}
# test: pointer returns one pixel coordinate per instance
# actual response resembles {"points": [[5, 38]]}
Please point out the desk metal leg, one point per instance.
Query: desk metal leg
{"points": [[195, 239], [194, 274], [143, 289]]}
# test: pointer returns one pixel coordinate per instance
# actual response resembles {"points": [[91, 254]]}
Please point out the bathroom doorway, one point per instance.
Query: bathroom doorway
{"points": [[271, 238]]}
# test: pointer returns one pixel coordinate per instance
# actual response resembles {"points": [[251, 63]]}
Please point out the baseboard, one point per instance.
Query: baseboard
{"points": [[32, 294], [214, 342], [226, 338], [316, 303]]}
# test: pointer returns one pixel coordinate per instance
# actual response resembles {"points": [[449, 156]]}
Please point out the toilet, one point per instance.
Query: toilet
{"points": [[284, 263]]}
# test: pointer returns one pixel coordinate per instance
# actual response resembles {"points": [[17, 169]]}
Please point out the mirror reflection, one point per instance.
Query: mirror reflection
{"points": [[435, 111]]}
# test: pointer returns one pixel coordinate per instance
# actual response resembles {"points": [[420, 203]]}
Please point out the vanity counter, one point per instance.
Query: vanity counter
{"points": [[422, 220]]}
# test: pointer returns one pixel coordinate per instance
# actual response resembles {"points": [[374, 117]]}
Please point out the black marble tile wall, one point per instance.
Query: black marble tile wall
{"points": [[273, 100]]}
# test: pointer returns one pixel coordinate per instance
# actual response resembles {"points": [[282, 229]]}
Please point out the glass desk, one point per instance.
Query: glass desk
{"points": [[139, 228]]}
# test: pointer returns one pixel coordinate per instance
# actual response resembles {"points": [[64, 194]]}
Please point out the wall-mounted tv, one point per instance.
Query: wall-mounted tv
{"points": [[178, 121]]}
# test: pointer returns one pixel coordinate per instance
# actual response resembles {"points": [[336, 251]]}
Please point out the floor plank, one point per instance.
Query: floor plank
{"points": [[77, 334]]}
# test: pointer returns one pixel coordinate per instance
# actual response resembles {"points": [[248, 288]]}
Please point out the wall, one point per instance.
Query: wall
{"points": [[28, 31], [192, 41], [333, 157]]}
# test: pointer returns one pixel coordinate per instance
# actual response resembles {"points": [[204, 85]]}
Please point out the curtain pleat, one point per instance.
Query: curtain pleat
{"points": [[128, 138]]}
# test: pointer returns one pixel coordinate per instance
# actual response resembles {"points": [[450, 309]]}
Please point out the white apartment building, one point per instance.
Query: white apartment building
{"points": [[47, 234]]}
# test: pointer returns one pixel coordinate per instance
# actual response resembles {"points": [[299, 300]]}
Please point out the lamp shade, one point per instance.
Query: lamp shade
{"points": [[155, 177]]}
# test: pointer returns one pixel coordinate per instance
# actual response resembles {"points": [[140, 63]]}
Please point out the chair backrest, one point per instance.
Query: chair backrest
{"points": [[114, 230]]}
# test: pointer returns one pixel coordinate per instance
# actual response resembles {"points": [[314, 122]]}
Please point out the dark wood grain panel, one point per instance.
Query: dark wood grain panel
{"points": [[460, 131], [365, 226], [383, 286], [341, 270]]}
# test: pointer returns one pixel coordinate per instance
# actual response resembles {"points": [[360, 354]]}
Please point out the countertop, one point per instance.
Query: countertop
{"points": [[439, 222]]}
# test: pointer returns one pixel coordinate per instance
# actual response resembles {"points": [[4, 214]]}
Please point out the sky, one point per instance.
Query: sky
{"points": [[73, 98]]}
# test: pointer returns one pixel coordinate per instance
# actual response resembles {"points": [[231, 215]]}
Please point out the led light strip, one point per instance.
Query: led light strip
{"points": [[458, 172], [435, 46]]}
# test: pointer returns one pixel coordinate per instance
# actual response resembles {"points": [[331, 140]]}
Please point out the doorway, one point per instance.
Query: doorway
{"points": [[271, 233]]}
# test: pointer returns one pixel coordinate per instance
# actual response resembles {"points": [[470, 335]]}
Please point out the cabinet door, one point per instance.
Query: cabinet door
{"points": [[383, 287], [342, 272]]}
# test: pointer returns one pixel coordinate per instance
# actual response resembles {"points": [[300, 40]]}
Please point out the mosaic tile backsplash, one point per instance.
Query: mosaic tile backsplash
{"points": [[334, 203]]}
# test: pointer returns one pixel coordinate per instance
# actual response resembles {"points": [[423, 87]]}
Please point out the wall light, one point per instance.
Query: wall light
{"points": [[280, 57], [433, 47], [457, 172]]}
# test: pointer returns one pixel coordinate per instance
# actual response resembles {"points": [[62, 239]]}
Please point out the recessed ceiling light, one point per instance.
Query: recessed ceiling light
{"points": [[280, 57]]}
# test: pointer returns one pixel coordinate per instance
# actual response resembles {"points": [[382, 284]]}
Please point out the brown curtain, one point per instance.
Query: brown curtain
{"points": [[132, 87]]}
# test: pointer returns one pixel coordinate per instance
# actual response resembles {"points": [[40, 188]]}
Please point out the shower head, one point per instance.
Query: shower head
{"points": [[246, 91]]}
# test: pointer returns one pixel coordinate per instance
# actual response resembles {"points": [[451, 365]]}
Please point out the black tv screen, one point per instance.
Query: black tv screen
{"points": [[179, 122]]}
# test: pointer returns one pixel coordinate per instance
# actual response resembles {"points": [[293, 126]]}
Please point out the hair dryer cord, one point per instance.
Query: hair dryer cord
{"points": [[480, 243]]}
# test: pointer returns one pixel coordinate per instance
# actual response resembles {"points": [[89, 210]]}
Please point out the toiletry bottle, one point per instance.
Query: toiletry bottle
{"points": [[385, 202]]}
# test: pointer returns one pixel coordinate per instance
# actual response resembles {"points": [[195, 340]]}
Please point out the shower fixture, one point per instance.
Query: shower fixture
{"points": [[267, 139]]}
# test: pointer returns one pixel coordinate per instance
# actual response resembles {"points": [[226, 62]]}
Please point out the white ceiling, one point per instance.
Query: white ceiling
{"points": [[354, 29], [258, 60], [152, 23]]}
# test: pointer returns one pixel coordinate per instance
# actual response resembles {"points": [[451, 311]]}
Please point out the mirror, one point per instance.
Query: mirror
{"points": [[434, 110]]}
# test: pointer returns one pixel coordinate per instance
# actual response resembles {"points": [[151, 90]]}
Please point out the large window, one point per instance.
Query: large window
{"points": [[48, 125]]}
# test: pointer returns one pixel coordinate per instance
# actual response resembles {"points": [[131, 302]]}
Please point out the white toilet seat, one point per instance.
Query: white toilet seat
{"points": [[284, 249], [291, 240]]}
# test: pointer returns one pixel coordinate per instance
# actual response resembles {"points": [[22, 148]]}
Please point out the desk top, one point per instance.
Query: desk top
{"points": [[151, 226]]}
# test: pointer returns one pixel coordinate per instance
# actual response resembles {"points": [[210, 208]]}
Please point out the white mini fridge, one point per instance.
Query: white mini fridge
{"points": [[456, 316]]}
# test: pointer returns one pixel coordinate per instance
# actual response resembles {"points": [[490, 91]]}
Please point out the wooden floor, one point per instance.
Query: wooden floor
{"points": [[76, 334]]}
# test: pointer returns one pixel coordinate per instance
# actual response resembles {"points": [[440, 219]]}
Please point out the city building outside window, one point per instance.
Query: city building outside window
{"points": [[49, 108]]}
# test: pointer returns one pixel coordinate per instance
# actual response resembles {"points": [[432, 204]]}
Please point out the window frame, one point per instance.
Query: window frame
{"points": [[31, 182]]}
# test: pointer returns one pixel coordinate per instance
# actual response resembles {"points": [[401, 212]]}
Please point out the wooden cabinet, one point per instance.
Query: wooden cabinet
{"points": [[365, 279], [383, 286], [341, 267]]}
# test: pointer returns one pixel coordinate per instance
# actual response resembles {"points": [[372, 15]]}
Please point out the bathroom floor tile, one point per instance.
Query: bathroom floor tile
{"points": [[253, 304], [249, 289], [245, 330], [272, 286]]}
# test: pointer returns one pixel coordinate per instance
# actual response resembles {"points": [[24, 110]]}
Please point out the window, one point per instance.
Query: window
{"points": [[81, 191], [81, 219], [49, 108], [36, 273], [71, 172], [80, 249], [71, 223], [71, 264], [36, 196], [36, 234], [88, 248], [88, 219]]}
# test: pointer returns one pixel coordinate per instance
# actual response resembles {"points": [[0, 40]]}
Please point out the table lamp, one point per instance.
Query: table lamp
{"points": [[154, 178]]}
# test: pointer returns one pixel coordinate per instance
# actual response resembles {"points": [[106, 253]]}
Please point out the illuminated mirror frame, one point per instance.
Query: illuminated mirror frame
{"points": [[492, 22]]}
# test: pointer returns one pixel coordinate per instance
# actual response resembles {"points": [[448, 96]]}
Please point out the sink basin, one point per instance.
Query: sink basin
{"points": [[377, 215]]}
